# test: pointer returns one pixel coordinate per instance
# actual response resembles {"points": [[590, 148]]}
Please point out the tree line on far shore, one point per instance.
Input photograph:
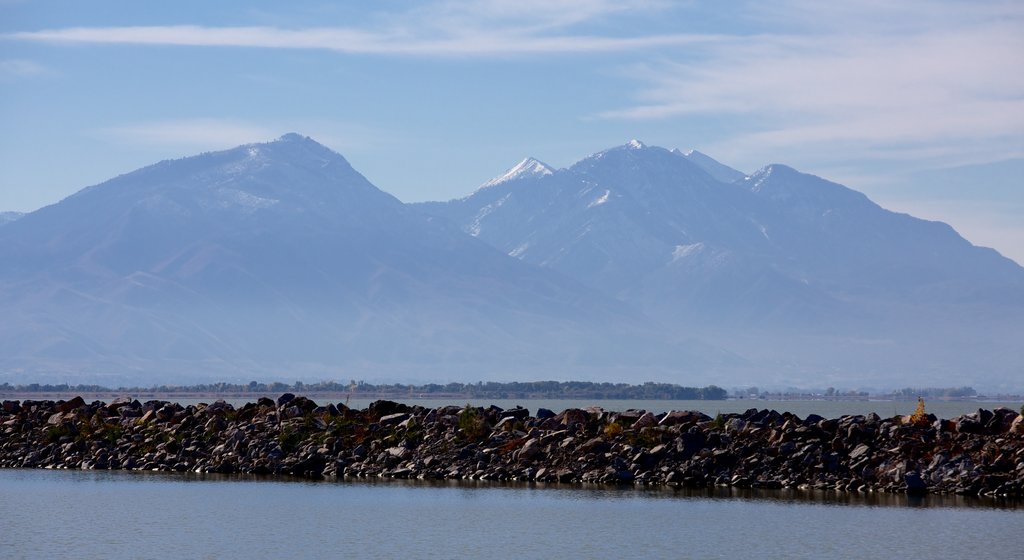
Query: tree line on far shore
{"points": [[488, 390]]}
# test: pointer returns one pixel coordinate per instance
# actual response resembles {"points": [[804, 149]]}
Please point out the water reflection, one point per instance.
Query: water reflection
{"points": [[100, 514], [565, 490]]}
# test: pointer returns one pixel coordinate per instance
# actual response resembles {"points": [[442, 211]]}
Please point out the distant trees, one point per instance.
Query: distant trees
{"points": [[910, 393], [478, 390], [482, 390]]}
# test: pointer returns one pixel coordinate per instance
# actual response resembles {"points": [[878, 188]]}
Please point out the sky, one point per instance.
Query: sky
{"points": [[920, 105]]}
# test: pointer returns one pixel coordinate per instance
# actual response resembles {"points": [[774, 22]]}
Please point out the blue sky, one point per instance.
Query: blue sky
{"points": [[918, 104]]}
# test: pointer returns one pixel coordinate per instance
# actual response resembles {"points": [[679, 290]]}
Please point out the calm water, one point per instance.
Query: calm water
{"points": [[90, 514]]}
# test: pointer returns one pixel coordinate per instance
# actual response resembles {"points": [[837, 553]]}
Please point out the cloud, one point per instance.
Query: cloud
{"points": [[914, 79], [887, 82], [190, 135], [17, 68], [486, 28], [469, 43], [195, 133], [524, 15]]}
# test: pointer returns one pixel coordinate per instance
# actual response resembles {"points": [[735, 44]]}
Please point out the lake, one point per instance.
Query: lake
{"points": [[100, 514]]}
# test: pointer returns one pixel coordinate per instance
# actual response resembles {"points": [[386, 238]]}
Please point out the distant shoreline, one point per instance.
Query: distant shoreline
{"points": [[362, 390], [493, 390], [340, 396]]}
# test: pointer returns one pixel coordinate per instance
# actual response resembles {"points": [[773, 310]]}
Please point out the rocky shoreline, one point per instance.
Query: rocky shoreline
{"points": [[979, 454]]}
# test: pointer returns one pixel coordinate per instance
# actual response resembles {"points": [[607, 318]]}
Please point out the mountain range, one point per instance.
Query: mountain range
{"points": [[637, 263]]}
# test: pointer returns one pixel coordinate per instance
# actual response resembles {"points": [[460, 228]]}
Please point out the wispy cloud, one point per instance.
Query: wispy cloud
{"points": [[200, 133], [195, 133], [355, 41], [915, 79], [18, 68], [521, 16], [948, 81], [487, 28]]}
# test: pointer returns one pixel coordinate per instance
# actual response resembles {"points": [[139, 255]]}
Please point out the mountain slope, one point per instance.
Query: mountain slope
{"points": [[757, 263], [716, 169], [8, 217], [279, 258], [635, 221]]}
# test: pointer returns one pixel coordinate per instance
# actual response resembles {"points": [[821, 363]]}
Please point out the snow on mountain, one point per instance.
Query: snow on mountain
{"points": [[8, 217], [779, 253], [529, 167]]}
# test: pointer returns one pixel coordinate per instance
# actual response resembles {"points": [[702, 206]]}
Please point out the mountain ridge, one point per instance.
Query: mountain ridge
{"points": [[280, 255], [778, 250], [635, 261]]}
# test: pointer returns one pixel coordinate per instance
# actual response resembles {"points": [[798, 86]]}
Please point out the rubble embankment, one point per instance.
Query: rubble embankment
{"points": [[979, 454]]}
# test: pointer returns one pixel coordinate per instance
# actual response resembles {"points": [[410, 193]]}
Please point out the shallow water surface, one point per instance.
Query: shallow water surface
{"points": [[96, 514]]}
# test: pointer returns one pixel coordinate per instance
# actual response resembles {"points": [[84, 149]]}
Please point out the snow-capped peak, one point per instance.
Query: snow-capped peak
{"points": [[529, 167], [636, 144]]}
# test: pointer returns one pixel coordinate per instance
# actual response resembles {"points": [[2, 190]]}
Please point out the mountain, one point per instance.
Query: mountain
{"points": [[793, 272], [644, 224], [279, 259], [716, 169], [636, 263], [8, 217]]}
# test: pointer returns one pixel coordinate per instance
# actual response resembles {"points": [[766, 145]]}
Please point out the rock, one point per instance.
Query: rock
{"points": [[646, 420], [813, 420], [761, 448], [1001, 421], [676, 418], [408, 423], [392, 419], [119, 402], [734, 425], [915, 485], [401, 453], [969, 424], [859, 452], [1017, 426], [519, 413], [595, 445], [165, 413], [530, 450], [285, 399], [574, 417], [383, 408], [68, 406]]}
